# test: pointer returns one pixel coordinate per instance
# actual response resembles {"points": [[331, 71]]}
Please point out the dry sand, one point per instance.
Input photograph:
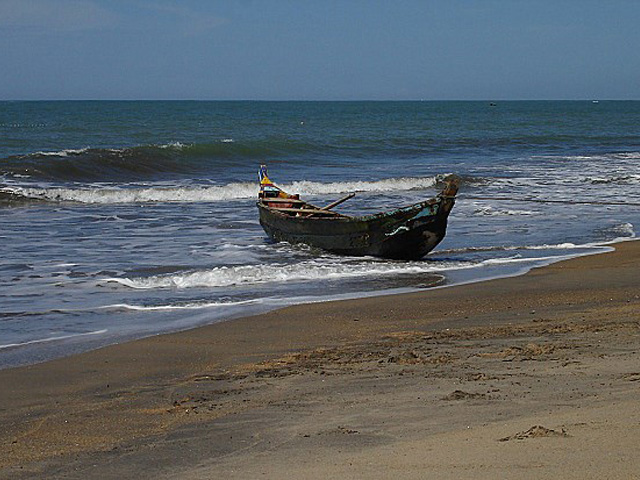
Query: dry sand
{"points": [[529, 377]]}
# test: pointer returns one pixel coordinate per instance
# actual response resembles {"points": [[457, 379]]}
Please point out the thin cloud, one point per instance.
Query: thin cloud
{"points": [[54, 15]]}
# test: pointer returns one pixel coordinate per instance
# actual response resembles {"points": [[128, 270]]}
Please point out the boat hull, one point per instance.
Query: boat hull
{"points": [[405, 233]]}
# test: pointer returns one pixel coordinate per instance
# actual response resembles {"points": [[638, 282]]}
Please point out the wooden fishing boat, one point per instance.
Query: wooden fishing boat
{"points": [[404, 233]]}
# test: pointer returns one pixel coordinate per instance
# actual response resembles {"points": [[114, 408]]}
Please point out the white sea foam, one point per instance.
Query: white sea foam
{"points": [[595, 156], [520, 259], [506, 248], [386, 185], [624, 230], [53, 339], [178, 306], [138, 194], [173, 145], [624, 179], [63, 153], [305, 271], [629, 155], [490, 211], [558, 246], [231, 191], [245, 275]]}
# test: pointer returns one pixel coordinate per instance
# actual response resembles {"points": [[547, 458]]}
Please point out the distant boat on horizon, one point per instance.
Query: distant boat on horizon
{"points": [[595, 101]]}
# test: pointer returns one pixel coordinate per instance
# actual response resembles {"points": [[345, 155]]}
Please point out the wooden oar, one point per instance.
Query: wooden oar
{"points": [[308, 211], [338, 202]]}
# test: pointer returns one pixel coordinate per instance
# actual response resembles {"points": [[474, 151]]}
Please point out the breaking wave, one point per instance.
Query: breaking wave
{"points": [[232, 191], [247, 275], [259, 274], [144, 162], [180, 160], [100, 164]]}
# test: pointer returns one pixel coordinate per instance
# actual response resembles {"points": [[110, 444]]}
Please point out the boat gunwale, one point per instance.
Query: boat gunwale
{"points": [[361, 218]]}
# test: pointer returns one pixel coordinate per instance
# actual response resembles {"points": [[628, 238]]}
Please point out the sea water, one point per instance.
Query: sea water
{"points": [[120, 220]]}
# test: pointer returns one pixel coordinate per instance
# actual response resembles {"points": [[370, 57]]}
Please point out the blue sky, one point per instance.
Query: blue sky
{"points": [[319, 50]]}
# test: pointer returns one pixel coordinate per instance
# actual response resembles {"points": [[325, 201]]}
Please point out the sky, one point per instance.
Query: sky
{"points": [[319, 49]]}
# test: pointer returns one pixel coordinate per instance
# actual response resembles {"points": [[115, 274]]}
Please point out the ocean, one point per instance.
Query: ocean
{"points": [[120, 220]]}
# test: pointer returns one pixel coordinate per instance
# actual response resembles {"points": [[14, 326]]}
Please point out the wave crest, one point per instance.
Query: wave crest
{"points": [[259, 274], [231, 191], [148, 161]]}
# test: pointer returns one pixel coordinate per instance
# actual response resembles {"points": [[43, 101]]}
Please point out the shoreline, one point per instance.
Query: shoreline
{"points": [[132, 403], [590, 249]]}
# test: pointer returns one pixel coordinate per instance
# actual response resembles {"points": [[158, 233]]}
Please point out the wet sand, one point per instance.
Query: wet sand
{"points": [[534, 376]]}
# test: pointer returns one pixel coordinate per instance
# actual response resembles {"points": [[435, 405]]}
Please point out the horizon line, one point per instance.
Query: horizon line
{"points": [[320, 100]]}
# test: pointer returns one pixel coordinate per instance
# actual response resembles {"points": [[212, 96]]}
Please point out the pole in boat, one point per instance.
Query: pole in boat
{"points": [[338, 202]]}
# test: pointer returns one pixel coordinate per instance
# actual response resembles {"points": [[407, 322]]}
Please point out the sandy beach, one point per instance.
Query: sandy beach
{"points": [[533, 377]]}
